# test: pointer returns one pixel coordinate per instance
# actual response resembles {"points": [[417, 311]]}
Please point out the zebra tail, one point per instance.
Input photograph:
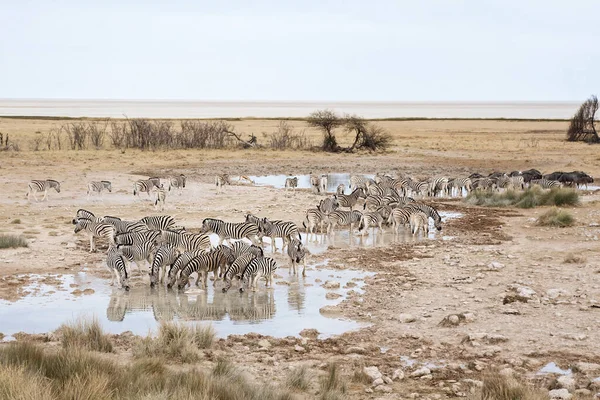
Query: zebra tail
{"points": [[299, 235], [134, 192], [304, 225], [362, 224]]}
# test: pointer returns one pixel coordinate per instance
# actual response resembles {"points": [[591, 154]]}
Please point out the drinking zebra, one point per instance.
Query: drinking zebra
{"points": [[418, 188], [165, 255], [203, 264], [95, 229], [220, 181], [351, 199], [181, 261], [137, 252], [116, 264], [291, 183], [239, 248], [98, 187], [427, 210], [343, 218], [236, 268], [158, 222], [177, 182], [284, 230], [145, 185], [419, 221], [161, 196], [37, 186], [256, 269], [229, 230], [371, 220], [399, 217], [297, 254]]}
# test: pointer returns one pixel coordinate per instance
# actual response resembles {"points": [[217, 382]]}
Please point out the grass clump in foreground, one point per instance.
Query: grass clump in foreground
{"points": [[333, 387], [498, 387], [28, 372], [12, 241], [176, 342], [15, 221], [298, 378], [85, 334], [529, 198], [556, 217]]}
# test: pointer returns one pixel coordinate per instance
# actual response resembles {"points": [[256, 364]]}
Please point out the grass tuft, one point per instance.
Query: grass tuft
{"points": [[15, 221], [556, 217], [16, 383], [332, 384], [498, 387], [573, 259], [12, 241], [298, 378], [85, 334], [529, 198]]}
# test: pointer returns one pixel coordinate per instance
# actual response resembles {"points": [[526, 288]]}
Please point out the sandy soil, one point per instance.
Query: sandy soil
{"points": [[520, 300]]}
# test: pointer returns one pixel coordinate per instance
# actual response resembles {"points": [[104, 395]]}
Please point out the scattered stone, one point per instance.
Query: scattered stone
{"points": [[453, 320], [350, 284], [566, 382], [495, 266], [71, 245], [299, 349], [398, 375], [377, 382], [77, 292], [387, 380], [355, 350], [583, 392], [309, 333], [556, 293], [588, 368], [89, 291], [420, 372], [511, 311], [264, 344], [562, 394], [406, 318], [383, 388], [373, 373], [329, 310], [331, 285]]}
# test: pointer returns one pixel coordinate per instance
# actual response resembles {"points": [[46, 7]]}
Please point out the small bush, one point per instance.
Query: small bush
{"points": [[298, 378], [529, 198], [15, 221], [556, 217], [12, 241], [332, 385], [85, 334], [498, 387], [16, 383]]}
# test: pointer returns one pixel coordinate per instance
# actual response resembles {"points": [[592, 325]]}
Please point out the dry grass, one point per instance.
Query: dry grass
{"points": [[333, 385], [85, 334], [529, 198], [15, 221], [556, 217], [298, 378], [176, 342], [12, 241], [16, 383], [573, 259], [498, 387]]}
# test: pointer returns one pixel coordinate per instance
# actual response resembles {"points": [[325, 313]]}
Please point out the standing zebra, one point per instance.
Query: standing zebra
{"points": [[438, 186], [418, 188], [545, 183], [359, 181], [124, 226], [116, 264], [185, 241], [256, 269], [177, 182], [328, 205], [323, 184], [129, 238], [297, 254], [145, 186], [42, 186], [371, 219], [284, 230], [98, 187], [314, 217], [161, 196], [343, 218], [459, 184], [419, 221], [240, 248], [158, 222], [236, 268], [351, 199], [291, 183], [399, 217], [95, 229], [429, 211], [165, 255], [341, 188], [202, 264], [229, 230], [220, 181]]}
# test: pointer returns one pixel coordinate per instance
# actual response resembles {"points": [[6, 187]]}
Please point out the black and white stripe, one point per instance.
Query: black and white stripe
{"points": [[343, 218], [328, 205], [230, 230], [239, 248], [130, 238], [438, 187], [256, 269], [185, 241], [399, 217], [417, 188], [297, 254], [429, 211], [165, 255], [203, 264], [138, 252], [545, 183], [351, 199], [291, 183], [145, 185], [359, 181], [118, 268], [314, 217], [158, 222], [419, 221], [457, 185], [372, 219], [98, 187], [236, 268], [95, 229], [37, 186], [220, 181], [180, 262], [161, 197], [124, 226], [284, 230], [177, 182]]}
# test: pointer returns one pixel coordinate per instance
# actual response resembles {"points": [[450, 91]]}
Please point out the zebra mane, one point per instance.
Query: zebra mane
{"points": [[53, 181], [105, 182]]}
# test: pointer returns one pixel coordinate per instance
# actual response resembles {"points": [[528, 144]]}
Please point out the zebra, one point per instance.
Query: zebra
{"points": [[161, 196], [359, 181], [37, 186], [419, 221], [517, 182], [177, 182], [291, 183], [239, 248], [220, 181], [98, 187], [399, 217], [180, 262], [351, 199], [328, 205], [297, 254], [341, 188], [429, 211], [81, 213], [165, 255], [202, 264], [484, 184], [137, 252], [545, 183], [230, 230], [418, 188], [95, 229], [124, 226], [458, 184], [145, 185], [438, 186], [315, 183], [314, 217], [343, 218], [130, 238], [323, 184], [261, 225], [185, 241], [117, 266], [256, 269], [158, 222], [236, 268], [371, 219], [284, 230], [374, 201]]}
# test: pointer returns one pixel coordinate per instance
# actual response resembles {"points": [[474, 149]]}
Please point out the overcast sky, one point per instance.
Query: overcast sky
{"points": [[386, 50]]}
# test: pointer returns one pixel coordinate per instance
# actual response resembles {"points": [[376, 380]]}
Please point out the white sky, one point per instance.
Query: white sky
{"points": [[479, 50]]}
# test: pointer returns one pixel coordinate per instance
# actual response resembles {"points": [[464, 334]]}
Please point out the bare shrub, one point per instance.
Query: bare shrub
{"points": [[205, 134], [285, 138], [367, 136], [97, 133], [37, 142], [117, 134], [77, 134], [326, 121], [581, 127]]}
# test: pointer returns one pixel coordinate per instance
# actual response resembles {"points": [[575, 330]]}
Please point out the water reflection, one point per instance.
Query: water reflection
{"points": [[278, 181]]}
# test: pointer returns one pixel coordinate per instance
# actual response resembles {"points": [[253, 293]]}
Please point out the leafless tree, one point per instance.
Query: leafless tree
{"points": [[97, 132], [326, 121], [367, 135], [117, 134], [582, 126], [77, 134]]}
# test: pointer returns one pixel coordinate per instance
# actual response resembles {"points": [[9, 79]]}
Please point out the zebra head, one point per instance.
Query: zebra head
{"points": [[54, 184], [183, 179], [81, 224]]}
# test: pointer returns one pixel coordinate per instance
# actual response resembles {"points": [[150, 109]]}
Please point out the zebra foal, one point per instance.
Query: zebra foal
{"points": [[37, 186], [220, 181], [98, 187]]}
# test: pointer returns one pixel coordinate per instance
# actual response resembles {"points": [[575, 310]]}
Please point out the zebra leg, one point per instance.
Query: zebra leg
{"points": [[273, 245], [92, 248], [253, 283], [45, 195]]}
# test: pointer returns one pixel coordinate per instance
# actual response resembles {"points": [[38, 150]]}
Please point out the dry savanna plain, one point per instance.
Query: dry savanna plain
{"points": [[514, 296]]}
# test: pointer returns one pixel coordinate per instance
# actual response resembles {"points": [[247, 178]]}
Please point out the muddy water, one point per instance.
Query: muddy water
{"points": [[290, 306]]}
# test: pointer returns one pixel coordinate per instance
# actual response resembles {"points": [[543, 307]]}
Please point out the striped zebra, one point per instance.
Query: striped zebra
{"points": [[37, 186], [137, 252], [341, 188], [256, 269], [180, 262], [185, 241], [202, 265], [230, 230], [145, 185], [297, 253], [419, 221], [236, 268], [117, 266], [438, 187], [401, 185], [98, 187], [429, 211], [165, 255], [375, 190], [81, 213], [220, 181], [95, 229], [419, 188], [517, 182], [359, 181], [323, 184], [399, 217], [314, 217], [374, 201], [371, 219], [343, 218], [239, 248], [457, 185], [314, 183], [130, 238], [381, 178], [284, 230], [291, 183], [177, 182], [328, 205], [484, 183], [545, 183], [124, 226], [158, 222], [161, 196], [258, 221], [351, 199]]}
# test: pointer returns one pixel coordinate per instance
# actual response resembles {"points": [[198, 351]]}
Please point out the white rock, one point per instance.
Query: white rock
{"points": [[373, 373], [566, 382], [420, 372], [406, 318], [587, 368], [264, 343], [562, 394], [368, 390], [383, 388], [387, 380], [398, 375], [495, 266], [526, 292], [299, 349], [555, 293], [331, 285], [378, 382]]}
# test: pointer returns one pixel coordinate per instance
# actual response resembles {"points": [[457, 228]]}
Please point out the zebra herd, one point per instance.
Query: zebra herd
{"points": [[173, 254]]}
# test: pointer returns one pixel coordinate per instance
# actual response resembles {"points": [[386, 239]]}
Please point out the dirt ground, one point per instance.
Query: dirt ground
{"points": [[523, 295]]}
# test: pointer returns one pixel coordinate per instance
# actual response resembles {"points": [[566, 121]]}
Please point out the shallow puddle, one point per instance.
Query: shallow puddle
{"points": [[552, 368], [278, 181], [289, 307]]}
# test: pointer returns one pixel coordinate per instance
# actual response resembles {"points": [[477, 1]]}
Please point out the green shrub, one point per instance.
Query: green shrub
{"points": [[556, 217], [12, 241]]}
